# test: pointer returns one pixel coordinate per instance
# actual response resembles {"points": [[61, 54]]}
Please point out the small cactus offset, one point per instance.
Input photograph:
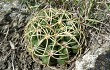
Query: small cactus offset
{"points": [[54, 36]]}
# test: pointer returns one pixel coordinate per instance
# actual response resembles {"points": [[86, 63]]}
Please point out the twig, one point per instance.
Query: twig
{"points": [[13, 54]]}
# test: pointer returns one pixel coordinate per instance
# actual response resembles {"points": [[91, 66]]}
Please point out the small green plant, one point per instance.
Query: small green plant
{"points": [[54, 36]]}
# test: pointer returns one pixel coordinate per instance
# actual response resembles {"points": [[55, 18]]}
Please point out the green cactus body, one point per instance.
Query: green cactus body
{"points": [[54, 34]]}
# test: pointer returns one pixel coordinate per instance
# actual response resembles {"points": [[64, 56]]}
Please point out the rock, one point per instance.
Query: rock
{"points": [[97, 54]]}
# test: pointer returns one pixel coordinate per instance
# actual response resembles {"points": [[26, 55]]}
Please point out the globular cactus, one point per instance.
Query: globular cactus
{"points": [[54, 36]]}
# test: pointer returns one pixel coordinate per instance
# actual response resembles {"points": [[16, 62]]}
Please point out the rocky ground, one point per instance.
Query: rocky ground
{"points": [[13, 54]]}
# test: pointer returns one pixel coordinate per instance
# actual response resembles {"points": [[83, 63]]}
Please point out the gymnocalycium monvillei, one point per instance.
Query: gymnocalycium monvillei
{"points": [[54, 36]]}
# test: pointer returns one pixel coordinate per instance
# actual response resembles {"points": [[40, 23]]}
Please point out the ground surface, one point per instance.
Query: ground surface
{"points": [[11, 30]]}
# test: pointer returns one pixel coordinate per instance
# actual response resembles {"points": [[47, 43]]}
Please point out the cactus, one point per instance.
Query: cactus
{"points": [[54, 36]]}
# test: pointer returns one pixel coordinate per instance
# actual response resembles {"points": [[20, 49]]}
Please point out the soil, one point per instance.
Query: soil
{"points": [[11, 33]]}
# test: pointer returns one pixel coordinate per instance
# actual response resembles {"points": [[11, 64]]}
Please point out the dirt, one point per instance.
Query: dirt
{"points": [[11, 30]]}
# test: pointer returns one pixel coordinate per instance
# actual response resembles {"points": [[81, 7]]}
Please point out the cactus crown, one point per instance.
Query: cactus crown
{"points": [[54, 36]]}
